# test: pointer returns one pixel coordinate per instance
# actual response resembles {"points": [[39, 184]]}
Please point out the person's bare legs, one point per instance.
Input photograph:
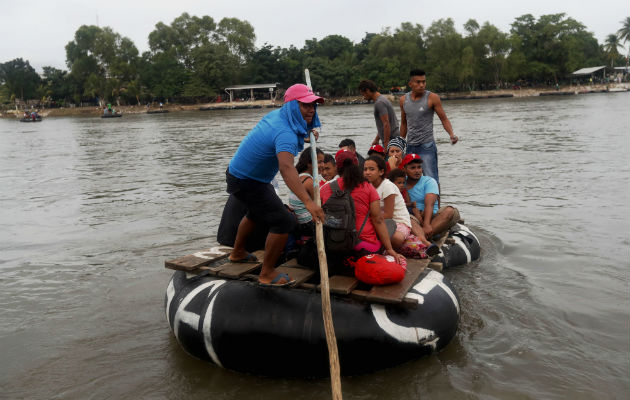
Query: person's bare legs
{"points": [[440, 222], [273, 249], [397, 240], [416, 229], [274, 245], [245, 228]]}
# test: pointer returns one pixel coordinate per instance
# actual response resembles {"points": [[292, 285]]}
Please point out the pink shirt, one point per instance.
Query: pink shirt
{"points": [[363, 195]]}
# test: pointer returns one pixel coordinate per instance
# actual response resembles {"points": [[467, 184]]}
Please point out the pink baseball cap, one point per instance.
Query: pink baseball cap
{"points": [[302, 94]]}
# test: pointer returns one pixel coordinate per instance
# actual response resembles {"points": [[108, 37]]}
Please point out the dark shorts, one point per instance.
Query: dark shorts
{"points": [[263, 204]]}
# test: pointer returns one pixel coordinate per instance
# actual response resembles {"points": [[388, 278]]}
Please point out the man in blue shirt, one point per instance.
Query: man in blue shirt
{"points": [[268, 148], [424, 191]]}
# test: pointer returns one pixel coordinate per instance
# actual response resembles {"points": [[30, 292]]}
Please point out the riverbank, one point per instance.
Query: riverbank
{"points": [[473, 95]]}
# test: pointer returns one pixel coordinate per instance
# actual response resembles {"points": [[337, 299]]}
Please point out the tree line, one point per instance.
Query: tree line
{"points": [[194, 58]]}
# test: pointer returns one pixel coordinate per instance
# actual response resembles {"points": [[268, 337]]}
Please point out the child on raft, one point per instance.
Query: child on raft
{"points": [[329, 170], [373, 236], [305, 226], [399, 178], [393, 207]]}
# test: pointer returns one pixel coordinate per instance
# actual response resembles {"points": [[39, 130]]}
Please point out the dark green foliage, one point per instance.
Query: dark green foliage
{"points": [[57, 86], [103, 64], [19, 78], [194, 58]]}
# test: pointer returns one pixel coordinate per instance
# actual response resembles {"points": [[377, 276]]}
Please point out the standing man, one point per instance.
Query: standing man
{"points": [[416, 122], [384, 115], [269, 147]]}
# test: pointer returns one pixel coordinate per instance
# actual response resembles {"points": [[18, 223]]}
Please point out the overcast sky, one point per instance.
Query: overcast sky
{"points": [[38, 30]]}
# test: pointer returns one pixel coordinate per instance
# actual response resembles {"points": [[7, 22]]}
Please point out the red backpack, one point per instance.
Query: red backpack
{"points": [[376, 269]]}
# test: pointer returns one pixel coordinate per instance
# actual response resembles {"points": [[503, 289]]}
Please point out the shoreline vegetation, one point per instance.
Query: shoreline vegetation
{"points": [[194, 59], [348, 100]]}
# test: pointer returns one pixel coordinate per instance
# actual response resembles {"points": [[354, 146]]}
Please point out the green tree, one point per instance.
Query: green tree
{"points": [[624, 33], [495, 45], [212, 70], [239, 37], [472, 53], [101, 61], [611, 46], [264, 65], [162, 76], [185, 34], [5, 95], [472, 27], [291, 64], [444, 51], [203, 56], [19, 78], [57, 85], [392, 56], [467, 71], [330, 47], [361, 49], [549, 44]]}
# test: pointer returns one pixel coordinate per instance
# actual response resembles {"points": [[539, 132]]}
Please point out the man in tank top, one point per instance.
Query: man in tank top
{"points": [[384, 114], [416, 122]]}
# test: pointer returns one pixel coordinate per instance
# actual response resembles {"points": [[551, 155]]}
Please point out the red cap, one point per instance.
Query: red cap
{"points": [[301, 93], [409, 158], [343, 155], [377, 148]]}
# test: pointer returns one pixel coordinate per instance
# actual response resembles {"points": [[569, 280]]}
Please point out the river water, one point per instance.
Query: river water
{"points": [[90, 209]]}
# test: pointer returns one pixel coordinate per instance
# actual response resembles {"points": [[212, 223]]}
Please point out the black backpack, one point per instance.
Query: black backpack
{"points": [[340, 232]]}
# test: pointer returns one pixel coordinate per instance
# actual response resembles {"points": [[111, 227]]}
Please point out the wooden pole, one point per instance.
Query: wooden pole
{"points": [[331, 340]]}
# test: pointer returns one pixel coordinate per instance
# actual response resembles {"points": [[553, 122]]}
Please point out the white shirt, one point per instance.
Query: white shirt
{"points": [[386, 189]]}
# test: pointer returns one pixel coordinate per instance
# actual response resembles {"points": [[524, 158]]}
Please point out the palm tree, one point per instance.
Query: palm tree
{"points": [[624, 33], [611, 44]]}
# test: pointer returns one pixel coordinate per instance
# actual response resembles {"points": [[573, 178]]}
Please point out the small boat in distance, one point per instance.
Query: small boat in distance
{"points": [[29, 119], [157, 111], [116, 115]]}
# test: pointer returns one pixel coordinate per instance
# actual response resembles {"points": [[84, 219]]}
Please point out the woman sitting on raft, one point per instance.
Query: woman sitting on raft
{"points": [[304, 167], [374, 235], [395, 152], [392, 205]]}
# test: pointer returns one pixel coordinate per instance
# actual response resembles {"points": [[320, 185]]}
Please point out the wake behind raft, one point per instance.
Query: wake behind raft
{"points": [[220, 314]]}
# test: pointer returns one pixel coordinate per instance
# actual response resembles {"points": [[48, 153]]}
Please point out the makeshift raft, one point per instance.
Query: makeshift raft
{"points": [[157, 111], [219, 313], [117, 115]]}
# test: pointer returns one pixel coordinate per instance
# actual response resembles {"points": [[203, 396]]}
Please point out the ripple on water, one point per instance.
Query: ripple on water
{"points": [[94, 209]]}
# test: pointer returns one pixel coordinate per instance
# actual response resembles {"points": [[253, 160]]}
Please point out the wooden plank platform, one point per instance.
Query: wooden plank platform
{"points": [[391, 294], [193, 261], [340, 284], [214, 260], [436, 266], [236, 270], [300, 274]]}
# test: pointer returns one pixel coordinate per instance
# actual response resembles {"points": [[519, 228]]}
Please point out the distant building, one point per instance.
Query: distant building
{"points": [[256, 91], [592, 74]]}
